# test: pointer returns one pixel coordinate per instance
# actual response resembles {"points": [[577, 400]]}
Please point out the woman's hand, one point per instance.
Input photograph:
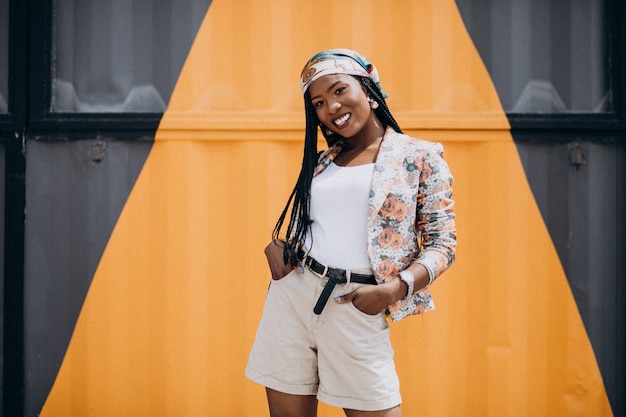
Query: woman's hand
{"points": [[275, 259], [372, 299]]}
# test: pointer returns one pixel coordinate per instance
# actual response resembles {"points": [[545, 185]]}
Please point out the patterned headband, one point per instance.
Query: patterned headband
{"points": [[338, 61]]}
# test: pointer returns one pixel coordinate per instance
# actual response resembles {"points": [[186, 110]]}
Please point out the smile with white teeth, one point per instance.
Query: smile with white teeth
{"points": [[342, 119]]}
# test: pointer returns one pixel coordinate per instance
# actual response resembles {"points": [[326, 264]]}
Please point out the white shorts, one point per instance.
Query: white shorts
{"points": [[343, 355]]}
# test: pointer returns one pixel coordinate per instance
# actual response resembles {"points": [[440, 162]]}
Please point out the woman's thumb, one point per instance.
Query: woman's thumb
{"points": [[346, 298]]}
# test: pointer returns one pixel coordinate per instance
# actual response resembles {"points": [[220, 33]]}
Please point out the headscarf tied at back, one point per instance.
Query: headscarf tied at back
{"points": [[338, 61]]}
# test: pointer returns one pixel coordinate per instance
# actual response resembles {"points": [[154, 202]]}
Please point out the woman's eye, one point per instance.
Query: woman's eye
{"points": [[318, 104], [340, 90]]}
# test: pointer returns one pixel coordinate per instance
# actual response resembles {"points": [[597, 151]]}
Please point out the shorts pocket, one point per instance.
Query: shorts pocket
{"points": [[362, 313], [373, 322], [286, 276], [353, 287]]}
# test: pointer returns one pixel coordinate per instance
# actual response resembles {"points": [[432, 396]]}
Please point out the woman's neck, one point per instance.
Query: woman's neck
{"points": [[362, 148]]}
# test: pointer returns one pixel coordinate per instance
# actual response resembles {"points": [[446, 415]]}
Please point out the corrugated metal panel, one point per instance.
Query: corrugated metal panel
{"points": [[168, 317], [75, 191], [2, 235], [579, 187], [172, 309], [12, 285]]}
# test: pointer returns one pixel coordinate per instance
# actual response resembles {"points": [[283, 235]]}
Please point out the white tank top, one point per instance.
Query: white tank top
{"points": [[339, 205]]}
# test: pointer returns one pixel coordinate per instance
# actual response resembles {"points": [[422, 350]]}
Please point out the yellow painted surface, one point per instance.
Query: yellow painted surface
{"points": [[171, 314]]}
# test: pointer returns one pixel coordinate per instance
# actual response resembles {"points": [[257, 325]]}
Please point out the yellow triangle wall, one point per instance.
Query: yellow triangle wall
{"points": [[171, 314]]}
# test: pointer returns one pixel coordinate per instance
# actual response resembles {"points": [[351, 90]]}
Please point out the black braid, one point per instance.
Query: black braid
{"points": [[383, 112], [299, 220]]}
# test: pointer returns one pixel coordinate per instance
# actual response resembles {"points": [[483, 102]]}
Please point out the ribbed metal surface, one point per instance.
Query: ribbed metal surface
{"points": [[543, 56], [4, 56], [165, 276], [2, 235], [75, 191], [580, 189]]}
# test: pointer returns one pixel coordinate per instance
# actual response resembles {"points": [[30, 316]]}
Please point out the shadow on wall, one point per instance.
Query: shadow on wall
{"points": [[142, 98], [540, 96]]}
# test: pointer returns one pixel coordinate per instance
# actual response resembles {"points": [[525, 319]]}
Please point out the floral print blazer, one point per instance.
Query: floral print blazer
{"points": [[411, 216], [411, 213]]}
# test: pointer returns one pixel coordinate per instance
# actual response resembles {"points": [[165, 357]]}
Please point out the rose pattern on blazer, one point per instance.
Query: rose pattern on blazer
{"points": [[411, 215]]}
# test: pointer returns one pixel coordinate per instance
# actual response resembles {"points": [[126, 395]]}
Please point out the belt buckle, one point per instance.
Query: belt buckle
{"points": [[335, 276], [338, 276]]}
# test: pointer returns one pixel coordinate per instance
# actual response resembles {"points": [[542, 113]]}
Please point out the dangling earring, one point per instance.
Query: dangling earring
{"points": [[373, 103], [328, 131]]}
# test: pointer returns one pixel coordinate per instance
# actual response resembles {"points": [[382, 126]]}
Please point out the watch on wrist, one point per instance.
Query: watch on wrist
{"points": [[408, 277]]}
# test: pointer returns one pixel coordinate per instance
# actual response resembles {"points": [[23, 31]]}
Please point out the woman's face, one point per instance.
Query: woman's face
{"points": [[341, 104]]}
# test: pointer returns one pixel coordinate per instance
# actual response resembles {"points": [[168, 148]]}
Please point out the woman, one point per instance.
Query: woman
{"points": [[371, 227]]}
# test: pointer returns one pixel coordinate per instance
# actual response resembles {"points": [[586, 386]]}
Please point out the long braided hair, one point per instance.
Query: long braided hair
{"points": [[299, 219]]}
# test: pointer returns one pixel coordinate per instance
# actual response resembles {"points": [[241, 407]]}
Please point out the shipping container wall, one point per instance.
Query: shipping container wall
{"points": [[75, 191], [579, 188], [2, 235], [4, 42], [144, 274], [546, 59]]}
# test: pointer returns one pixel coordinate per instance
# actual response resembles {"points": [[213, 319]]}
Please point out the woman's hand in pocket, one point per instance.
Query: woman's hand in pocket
{"points": [[275, 259], [370, 299]]}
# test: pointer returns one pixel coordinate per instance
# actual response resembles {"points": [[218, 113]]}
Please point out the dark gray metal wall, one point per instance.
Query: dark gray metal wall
{"points": [[75, 191], [574, 158], [2, 202], [580, 187], [76, 184]]}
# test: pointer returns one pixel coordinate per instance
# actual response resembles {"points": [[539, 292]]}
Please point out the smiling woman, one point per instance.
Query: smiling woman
{"points": [[137, 283], [374, 249], [342, 106]]}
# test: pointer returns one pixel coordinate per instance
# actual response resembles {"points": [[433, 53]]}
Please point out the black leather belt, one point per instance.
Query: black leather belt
{"points": [[335, 276]]}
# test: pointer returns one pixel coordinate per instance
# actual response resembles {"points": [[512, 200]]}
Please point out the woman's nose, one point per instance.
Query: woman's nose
{"points": [[334, 106]]}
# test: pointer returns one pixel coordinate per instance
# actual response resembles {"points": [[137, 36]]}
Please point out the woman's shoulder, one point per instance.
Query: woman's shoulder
{"points": [[413, 144]]}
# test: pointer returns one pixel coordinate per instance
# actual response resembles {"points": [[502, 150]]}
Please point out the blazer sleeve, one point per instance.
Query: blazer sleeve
{"points": [[435, 217]]}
